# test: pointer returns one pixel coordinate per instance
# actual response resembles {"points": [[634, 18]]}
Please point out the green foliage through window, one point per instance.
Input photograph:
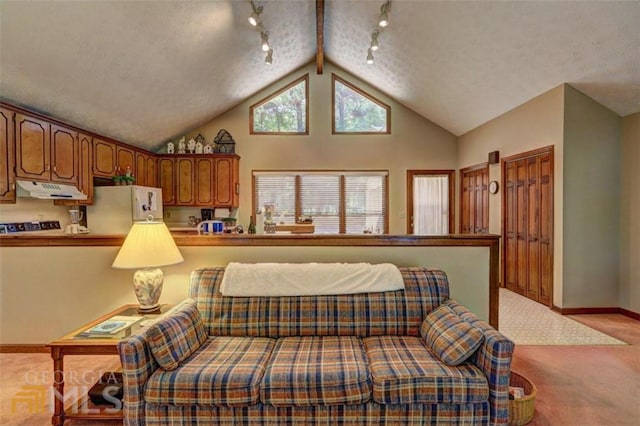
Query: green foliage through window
{"points": [[354, 111], [284, 112]]}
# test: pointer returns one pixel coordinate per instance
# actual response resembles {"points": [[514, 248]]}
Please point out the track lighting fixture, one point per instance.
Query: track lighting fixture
{"points": [[374, 40], [384, 14], [383, 21], [254, 18], [369, 57], [265, 41]]}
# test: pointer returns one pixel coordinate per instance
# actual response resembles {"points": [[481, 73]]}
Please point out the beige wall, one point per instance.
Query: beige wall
{"points": [[591, 213], [630, 214], [46, 292], [414, 142], [534, 124]]}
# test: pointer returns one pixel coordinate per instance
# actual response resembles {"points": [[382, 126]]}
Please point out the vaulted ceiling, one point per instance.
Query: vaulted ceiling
{"points": [[144, 72]]}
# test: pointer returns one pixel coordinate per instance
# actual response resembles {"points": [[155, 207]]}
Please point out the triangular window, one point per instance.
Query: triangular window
{"points": [[357, 112], [286, 112]]}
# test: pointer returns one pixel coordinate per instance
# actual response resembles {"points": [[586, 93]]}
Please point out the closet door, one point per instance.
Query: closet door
{"points": [[474, 199], [528, 224]]}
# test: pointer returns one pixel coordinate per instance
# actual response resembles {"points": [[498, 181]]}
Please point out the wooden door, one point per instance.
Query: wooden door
{"points": [[85, 178], [33, 149], [104, 158], [166, 178], [528, 224], [185, 182], [474, 199], [65, 160], [7, 158], [141, 169], [204, 174], [227, 182]]}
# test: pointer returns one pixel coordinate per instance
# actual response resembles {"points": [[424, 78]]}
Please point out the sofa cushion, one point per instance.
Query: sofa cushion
{"points": [[449, 337], [314, 370], [226, 371], [404, 371], [174, 338]]}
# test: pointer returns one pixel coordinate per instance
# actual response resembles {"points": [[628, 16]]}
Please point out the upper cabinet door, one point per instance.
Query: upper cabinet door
{"points": [[166, 177], [141, 169], [151, 171], [32, 148], [65, 160], [125, 159], [7, 158], [185, 182], [204, 181], [227, 183], [104, 158]]}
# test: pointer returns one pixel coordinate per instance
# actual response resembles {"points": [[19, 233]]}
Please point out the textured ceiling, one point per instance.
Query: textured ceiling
{"points": [[144, 72]]}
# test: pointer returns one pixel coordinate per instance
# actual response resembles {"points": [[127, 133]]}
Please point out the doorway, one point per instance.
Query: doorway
{"points": [[527, 225], [430, 207]]}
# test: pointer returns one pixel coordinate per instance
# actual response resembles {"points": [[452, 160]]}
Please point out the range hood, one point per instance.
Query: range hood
{"points": [[48, 191]]}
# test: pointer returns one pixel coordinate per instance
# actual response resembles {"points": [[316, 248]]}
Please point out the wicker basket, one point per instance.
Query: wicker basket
{"points": [[521, 410]]}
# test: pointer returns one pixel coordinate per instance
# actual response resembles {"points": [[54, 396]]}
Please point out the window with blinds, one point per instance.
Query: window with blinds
{"points": [[351, 202]]}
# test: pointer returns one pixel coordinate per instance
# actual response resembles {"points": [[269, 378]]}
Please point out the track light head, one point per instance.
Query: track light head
{"points": [[254, 18], [384, 14], [374, 40], [265, 41], [269, 58], [369, 57]]}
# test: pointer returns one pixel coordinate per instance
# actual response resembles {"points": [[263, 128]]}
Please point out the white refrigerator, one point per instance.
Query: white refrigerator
{"points": [[115, 208]]}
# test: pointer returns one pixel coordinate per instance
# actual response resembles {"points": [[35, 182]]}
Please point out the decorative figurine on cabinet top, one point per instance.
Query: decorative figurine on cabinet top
{"points": [[224, 143], [170, 148], [208, 149], [191, 146], [182, 146]]}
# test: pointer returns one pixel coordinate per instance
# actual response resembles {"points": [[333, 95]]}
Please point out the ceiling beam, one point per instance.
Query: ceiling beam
{"points": [[319, 35]]}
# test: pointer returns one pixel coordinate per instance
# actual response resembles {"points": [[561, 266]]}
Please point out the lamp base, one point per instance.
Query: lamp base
{"points": [[147, 284]]}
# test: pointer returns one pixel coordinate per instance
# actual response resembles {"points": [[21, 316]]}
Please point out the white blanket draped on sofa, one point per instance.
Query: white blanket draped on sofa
{"points": [[307, 279]]}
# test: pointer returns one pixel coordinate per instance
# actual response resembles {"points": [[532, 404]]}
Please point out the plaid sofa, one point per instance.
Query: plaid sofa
{"points": [[356, 359]]}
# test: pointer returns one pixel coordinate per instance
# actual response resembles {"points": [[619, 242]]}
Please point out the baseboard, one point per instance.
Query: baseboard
{"points": [[630, 314], [588, 311], [24, 348]]}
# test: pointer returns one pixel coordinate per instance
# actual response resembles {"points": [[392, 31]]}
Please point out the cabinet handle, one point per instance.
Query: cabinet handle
{"points": [[54, 168], [48, 167], [237, 189]]}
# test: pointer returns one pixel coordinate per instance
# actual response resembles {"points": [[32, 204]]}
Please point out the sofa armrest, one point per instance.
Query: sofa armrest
{"points": [[494, 359], [137, 366]]}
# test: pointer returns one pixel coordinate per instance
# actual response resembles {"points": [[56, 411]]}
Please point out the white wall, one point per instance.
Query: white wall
{"points": [[630, 214], [591, 212], [414, 142], [46, 292], [534, 124]]}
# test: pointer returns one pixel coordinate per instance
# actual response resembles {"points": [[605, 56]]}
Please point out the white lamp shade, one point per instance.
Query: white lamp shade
{"points": [[148, 245]]}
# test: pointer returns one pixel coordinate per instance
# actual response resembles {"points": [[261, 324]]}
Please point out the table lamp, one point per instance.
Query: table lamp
{"points": [[148, 246]]}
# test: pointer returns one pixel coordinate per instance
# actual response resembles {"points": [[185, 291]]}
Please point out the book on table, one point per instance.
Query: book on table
{"points": [[113, 325]]}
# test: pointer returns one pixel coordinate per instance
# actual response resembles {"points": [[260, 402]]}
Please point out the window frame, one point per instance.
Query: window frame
{"points": [[361, 92], [305, 79], [342, 207]]}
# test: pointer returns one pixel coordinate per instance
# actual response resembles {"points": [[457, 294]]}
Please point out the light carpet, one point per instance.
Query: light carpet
{"points": [[530, 323]]}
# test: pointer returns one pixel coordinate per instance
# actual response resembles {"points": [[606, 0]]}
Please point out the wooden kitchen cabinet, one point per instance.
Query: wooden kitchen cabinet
{"points": [[204, 181], [7, 158], [125, 158], [200, 180], [146, 173], [45, 152], [185, 182], [166, 179], [227, 182], [104, 158]]}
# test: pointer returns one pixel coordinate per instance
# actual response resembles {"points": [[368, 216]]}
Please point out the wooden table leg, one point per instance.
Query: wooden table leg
{"points": [[58, 384]]}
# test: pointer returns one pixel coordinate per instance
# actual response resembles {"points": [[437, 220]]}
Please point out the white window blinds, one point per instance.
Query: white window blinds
{"points": [[350, 202]]}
